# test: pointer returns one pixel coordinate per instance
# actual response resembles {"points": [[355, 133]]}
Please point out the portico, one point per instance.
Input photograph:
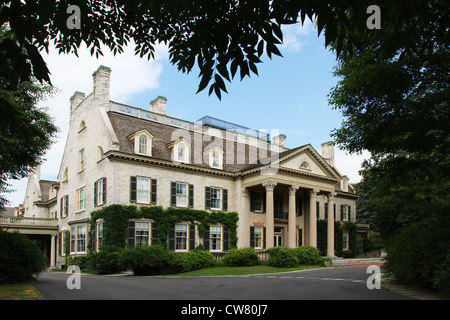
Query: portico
{"points": [[283, 204]]}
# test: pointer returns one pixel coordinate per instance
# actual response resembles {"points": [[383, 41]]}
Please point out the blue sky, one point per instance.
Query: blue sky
{"points": [[289, 95]]}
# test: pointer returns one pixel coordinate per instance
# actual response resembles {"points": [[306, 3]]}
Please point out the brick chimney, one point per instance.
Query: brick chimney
{"points": [[102, 85], [328, 152], [159, 105], [76, 100]]}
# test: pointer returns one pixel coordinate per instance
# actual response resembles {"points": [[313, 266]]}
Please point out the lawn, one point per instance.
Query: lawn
{"points": [[20, 291], [232, 271]]}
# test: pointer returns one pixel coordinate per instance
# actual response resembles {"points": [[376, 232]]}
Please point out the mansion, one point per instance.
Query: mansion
{"points": [[118, 154]]}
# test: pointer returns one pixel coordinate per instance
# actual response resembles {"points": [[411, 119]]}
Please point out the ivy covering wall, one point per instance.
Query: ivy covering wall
{"points": [[115, 222], [339, 227]]}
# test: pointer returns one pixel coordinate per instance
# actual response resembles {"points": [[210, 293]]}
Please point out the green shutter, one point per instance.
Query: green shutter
{"points": [[133, 186], [104, 190], [153, 192], [173, 194], [264, 237], [326, 210], [131, 227], [342, 211], [300, 237], [191, 237], [94, 238], [207, 198], [317, 209], [61, 207], [154, 238], [226, 239], [172, 238], [206, 239], [191, 196], [95, 194], [225, 200], [252, 237]]}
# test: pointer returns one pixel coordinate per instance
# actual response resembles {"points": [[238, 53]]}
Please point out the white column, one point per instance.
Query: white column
{"points": [[330, 239], [244, 226], [292, 225], [270, 185], [313, 217], [52, 251]]}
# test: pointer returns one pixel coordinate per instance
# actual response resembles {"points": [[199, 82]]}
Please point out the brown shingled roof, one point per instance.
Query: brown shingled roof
{"points": [[124, 126]]}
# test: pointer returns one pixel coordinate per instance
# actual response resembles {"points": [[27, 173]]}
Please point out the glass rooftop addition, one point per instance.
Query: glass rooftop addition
{"points": [[225, 125]]}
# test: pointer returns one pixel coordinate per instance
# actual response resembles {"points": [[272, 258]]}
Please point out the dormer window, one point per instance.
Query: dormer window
{"points": [[142, 142], [180, 150], [344, 184], [215, 157]]}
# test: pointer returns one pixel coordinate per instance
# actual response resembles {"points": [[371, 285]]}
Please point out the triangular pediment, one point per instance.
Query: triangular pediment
{"points": [[307, 160]]}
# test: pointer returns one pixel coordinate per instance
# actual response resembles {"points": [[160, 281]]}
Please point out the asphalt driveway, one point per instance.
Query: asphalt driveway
{"points": [[321, 284]]}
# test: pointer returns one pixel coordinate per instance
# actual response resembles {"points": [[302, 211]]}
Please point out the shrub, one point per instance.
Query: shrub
{"points": [[282, 257], [308, 255], [241, 257], [80, 261], [189, 261], [106, 261], [146, 260], [20, 258]]}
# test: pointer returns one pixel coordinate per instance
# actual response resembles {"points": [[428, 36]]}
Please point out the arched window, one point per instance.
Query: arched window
{"points": [[181, 150], [216, 159], [143, 144], [82, 125], [304, 165], [65, 174]]}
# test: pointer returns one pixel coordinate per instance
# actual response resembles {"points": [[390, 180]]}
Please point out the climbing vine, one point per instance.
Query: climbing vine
{"points": [[115, 222]]}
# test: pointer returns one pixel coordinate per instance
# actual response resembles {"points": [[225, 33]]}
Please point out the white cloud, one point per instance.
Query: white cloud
{"points": [[130, 75], [350, 164], [294, 36]]}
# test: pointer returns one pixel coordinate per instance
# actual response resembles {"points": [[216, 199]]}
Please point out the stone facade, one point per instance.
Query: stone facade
{"points": [[118, 154]]}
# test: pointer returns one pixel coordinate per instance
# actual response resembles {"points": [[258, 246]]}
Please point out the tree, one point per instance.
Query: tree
{"points": [[394, 93], [26, 130]]}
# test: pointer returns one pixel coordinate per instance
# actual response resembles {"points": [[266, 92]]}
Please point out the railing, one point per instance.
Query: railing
{"points": [[281, 215], [261, 140], [262, 255], [26, 221]]}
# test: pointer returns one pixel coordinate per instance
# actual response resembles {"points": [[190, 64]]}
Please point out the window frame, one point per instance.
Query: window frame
{"points": [[76, 241], [217, 240], [260, 238], [185, 237], [217, 191], [145, 236], [81, 158], [81, 201], [149, 187], [179, 196]]}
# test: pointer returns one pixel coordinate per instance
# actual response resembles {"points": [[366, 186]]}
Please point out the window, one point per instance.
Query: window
{"points": [[344, 212], [65, 175], [64, 206], [181, 152], [81, 239], [258, 237], [215, 234], [216, 198], [257, 196], [304, 165], [181, 195], [100, 192], [64, 243], [142, 140], [142, 233], [345, 240], [82, 126], [99, 153], [143, 190], [215, 156], [181, 237], [344, 185], [78, 239], [99, 235], [143, 144], [81, 160], [81, 203]]}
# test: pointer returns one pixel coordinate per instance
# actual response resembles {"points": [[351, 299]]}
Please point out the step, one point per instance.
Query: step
{"points": [[357, 261]]}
